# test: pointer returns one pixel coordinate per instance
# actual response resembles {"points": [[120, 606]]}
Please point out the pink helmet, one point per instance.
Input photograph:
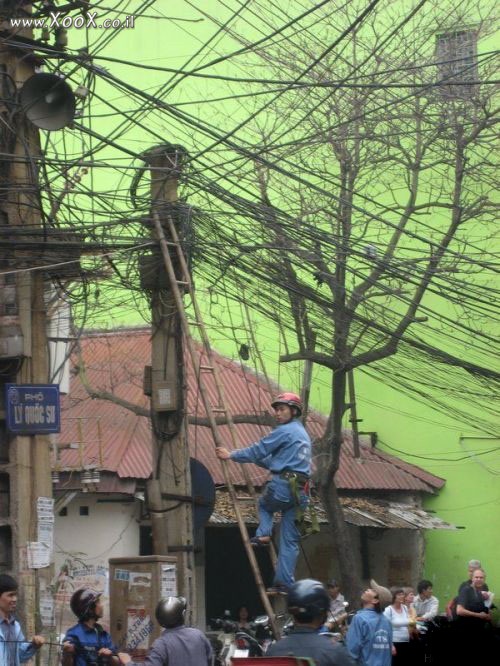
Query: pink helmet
{"points": [[290, 399]]}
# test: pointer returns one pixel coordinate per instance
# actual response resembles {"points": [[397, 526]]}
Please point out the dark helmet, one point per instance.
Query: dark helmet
{"points": [[290, 399], [170, 611], [308, 599], [83, 603]]}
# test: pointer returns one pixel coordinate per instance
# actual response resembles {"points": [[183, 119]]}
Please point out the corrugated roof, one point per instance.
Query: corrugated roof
{"points": [[100, 433], [359, 511]]}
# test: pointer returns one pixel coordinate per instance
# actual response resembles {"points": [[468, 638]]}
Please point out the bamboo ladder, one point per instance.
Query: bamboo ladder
{"points": [[221, 407]]}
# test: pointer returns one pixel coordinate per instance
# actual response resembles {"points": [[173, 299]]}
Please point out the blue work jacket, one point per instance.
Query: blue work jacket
{"points": [[369, 638], [287, 447], [88, 641]]}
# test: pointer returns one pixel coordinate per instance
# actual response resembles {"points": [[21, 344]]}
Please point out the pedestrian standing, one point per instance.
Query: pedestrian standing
{"points": [[14, 648], [369, 637]]}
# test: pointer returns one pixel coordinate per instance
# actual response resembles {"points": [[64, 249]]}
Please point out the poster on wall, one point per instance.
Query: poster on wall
{"points": [[168, 583], [73, 575], [139, 629]]}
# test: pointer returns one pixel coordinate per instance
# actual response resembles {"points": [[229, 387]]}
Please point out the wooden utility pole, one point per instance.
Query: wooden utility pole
{"points": [[26, 463], [169, 491]]}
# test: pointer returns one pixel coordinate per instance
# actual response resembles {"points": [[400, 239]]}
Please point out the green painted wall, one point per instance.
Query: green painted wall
{"points": [[416, 432]]}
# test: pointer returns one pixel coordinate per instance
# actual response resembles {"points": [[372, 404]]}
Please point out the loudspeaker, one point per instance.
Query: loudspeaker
{"points": [[48, 101]]}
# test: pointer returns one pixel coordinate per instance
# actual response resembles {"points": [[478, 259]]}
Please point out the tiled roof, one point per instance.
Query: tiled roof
{"points": [[118, 440]]}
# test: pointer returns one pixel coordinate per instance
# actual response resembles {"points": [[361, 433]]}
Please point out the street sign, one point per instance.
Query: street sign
{"points": [[32, 409]]}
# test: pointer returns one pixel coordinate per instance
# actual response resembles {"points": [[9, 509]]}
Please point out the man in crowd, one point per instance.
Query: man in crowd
{"points": [[336, 599], [471, 567], [337, 610], [426, 606], [308, 602], [13, 646], [178, 645], [88, 642], [286, 453], [369, 637], [473, 620]]}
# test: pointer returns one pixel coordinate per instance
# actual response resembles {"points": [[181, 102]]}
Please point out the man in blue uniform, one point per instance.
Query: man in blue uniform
{"points": [[286, 453], [87, 643], [369, 637]]}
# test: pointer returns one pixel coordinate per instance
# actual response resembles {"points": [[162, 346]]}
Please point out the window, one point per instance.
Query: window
{"points": [[84, 511], [64, 511], [456, 54]]}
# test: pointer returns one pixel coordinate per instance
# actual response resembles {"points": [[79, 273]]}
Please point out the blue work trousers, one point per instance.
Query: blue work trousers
{"points": [[277, 496]]}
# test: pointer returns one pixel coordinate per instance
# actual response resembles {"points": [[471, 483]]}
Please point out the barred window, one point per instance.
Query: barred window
{"points": [[456, 54]]}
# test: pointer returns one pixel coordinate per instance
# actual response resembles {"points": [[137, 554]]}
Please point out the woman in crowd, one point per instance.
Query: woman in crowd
{"points": [[243, 618], [398, 615]]}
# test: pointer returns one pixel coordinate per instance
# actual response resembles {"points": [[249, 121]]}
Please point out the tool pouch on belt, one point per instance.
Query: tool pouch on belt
{"points": [[303, 514]]}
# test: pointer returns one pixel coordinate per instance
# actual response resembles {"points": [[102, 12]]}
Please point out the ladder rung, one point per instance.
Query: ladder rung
{"points": [[272, 593], [182, 282], [209, 368], [219, 409], [195, 323], [244, 498]]}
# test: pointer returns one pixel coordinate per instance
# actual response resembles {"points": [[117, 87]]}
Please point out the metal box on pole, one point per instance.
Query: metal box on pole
{"points": [[136, 584]]}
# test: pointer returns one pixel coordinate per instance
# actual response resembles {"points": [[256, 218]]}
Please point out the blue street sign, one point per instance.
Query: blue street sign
{"points": [[32, 409]]}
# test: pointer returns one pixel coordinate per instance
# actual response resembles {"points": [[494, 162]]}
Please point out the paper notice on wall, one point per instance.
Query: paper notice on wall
{"points": [[122, 574], [47, 609], [45, 534], [139, 629], [142, 579], [45, 509], [38, 555], [168, 582], [45, 524]]}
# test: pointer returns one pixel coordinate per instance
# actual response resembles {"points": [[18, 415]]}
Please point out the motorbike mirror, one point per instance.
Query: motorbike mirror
{"points": [[345, 604], [261, 619]]}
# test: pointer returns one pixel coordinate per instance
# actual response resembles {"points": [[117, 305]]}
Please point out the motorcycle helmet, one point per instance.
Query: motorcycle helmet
{"points": [[290, 399], [308, 599], [170, 612], [83, 603]]}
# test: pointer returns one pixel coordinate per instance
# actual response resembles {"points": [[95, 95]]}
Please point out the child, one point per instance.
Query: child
{"points": [[13, 646], [87, 643]]}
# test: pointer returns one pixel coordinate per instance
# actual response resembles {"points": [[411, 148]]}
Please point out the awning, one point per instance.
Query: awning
{"points": [[364, 512], [359, 511]]}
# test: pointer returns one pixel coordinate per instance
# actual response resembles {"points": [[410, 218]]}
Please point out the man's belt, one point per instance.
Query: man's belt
{"points": [[302, 479]]}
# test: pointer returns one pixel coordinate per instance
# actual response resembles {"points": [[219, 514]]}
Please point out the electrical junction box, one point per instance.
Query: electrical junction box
{"points": [[11, 342], [136, 585], [164, 396]]}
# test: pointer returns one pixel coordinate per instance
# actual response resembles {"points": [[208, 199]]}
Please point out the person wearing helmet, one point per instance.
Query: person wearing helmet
{"points": [[286, 453], [87, 643], [14, 648], [308, 602], [178, 645], [369, 637]]}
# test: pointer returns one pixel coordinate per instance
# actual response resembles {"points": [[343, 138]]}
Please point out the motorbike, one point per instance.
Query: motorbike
{"points": [[235, 642], [224, 644], [254, 643]]}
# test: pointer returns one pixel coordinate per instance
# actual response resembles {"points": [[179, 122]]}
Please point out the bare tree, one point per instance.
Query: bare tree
{"points": [[356, 185], [373, 171]]}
